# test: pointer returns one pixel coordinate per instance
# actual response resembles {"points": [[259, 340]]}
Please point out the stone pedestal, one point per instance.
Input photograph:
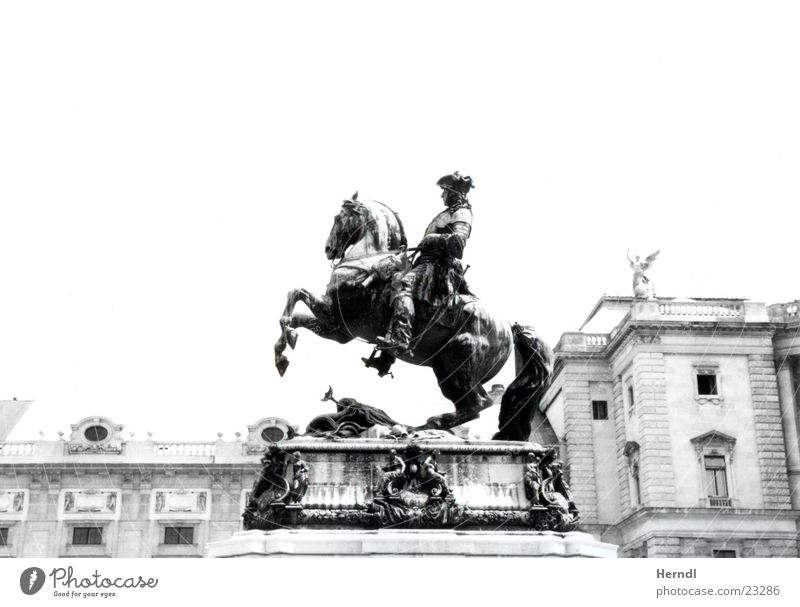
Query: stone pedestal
{"points": [[409, 542], [430, 494]]}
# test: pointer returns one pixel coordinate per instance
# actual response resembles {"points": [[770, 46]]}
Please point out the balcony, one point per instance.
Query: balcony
{"points": [[715, 501]]}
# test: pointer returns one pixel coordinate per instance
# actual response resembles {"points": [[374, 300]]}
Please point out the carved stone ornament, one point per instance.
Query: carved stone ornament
{"points": [[552, 506], [89, 501], [180, 502], [406, 487], [413, 493], [276, 498], [12, 503]]}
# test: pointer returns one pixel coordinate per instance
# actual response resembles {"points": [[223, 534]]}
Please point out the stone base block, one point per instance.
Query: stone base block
{"points": [[409, 542]]}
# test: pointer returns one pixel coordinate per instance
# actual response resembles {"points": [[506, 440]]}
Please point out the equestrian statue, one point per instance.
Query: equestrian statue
{"points": [[414, 305]]}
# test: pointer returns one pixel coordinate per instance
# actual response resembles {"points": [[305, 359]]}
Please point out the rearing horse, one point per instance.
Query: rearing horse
{"points": [[465, 345]]}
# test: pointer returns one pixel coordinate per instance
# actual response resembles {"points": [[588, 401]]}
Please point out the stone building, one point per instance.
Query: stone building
{"points": [[97, 494], [677, 419], [679, 423]]}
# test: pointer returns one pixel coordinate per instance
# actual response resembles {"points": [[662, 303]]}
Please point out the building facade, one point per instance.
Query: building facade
{"points": [[96, 494], [679, 423]]}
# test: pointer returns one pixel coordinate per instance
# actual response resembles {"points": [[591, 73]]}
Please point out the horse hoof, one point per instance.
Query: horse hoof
{"points": [[282, 364], [291, 338]]}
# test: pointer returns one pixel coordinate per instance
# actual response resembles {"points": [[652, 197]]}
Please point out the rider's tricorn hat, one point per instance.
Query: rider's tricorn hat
{"points": [[458, 183]]}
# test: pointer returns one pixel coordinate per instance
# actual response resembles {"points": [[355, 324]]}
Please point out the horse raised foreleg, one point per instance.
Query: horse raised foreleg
{"points": [[320, 307]]}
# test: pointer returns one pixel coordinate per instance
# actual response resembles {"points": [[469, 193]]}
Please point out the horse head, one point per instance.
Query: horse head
{"points": [[364, 228]]}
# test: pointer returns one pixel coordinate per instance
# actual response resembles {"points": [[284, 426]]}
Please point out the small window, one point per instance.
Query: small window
{"points": [[96, 434], [707, 384], [83, 536], [3, 536], [631, 400], [723, 554], [272, 434], [599, 409], [716, 479], [179, 535], [637, 488]]}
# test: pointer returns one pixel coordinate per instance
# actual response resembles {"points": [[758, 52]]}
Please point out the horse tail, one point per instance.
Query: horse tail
{"points": [[534, 368]]}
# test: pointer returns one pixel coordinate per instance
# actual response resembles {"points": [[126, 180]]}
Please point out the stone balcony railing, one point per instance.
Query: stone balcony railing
{"points": [[710, 309], [183, 449], [582, 342], [698, 310], [18, 448]]}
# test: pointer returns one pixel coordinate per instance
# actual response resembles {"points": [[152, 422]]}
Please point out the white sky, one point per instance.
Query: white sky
{"points": [[168, 170]]}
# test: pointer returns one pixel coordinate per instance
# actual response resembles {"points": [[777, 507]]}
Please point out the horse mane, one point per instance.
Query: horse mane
{"points": [[396, 237]]}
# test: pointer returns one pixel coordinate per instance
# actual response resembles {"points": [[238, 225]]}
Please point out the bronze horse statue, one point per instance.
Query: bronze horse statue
{"points": [[465, 345]]}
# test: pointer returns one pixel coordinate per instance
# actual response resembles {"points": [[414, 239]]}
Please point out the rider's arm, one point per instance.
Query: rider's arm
{"points": [[452, 244]]}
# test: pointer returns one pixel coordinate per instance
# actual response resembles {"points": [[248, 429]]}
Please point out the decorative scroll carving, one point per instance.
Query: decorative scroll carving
{"points": [[82, 449]]}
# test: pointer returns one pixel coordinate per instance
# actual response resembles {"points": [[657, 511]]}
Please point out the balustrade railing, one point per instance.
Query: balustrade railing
{"points": [[718, 310], [719, 502], [597, 339], [184, 449], [27, 448]]}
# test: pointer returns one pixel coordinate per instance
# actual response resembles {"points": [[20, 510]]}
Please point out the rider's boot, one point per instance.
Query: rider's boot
{"points": [[398, 338]]}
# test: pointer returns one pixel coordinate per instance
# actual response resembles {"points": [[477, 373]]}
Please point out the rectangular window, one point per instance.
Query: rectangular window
{"points": [[84, 536], [716, 478], [599, 409], [707, 384], [723, 554], [3, 536], [637, 488], [631, 400], [179, 535]]}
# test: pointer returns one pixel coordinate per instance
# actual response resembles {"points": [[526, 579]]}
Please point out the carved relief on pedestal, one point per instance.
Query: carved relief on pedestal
{"points": [[412, 492], [549, 496], [278, 491]]}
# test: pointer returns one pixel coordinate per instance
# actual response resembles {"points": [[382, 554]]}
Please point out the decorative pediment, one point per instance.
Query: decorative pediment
{"points": [[713, 436], [713, 441]]}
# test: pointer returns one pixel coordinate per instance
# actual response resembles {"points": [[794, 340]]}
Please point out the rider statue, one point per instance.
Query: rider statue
{"points": [[437, 274]]}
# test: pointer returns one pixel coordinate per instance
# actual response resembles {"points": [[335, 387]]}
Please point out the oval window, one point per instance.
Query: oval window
{"points": [[272, 434], [95, 434]]}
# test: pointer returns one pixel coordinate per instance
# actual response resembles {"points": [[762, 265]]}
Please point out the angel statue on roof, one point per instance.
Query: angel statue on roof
{"points": [[642, 287]]}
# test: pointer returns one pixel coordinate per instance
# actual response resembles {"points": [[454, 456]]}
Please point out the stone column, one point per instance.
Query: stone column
{"points": [[789, 421]]}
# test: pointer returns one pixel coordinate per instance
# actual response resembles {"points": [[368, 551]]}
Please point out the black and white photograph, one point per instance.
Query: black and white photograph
{"points": [[302, 281]]}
